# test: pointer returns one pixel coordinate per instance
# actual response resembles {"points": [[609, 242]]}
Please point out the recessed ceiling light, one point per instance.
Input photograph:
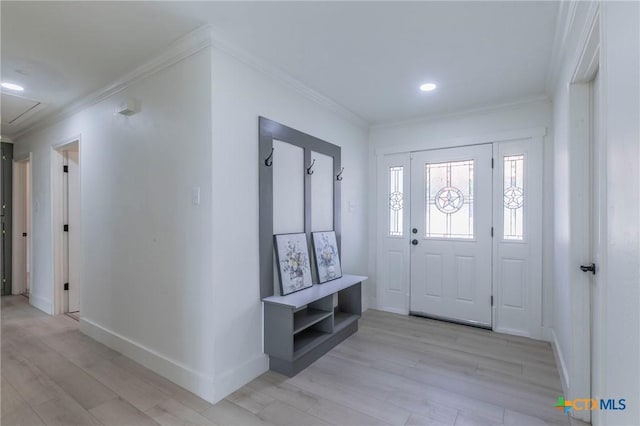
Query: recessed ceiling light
{"points": [[12, 86], [428, 87]]}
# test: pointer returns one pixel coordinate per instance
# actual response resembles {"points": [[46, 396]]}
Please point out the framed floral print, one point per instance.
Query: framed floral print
{"points": [[292, 257], [325, 250]]}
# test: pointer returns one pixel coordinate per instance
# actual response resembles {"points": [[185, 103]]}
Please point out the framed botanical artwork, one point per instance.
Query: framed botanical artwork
{"points": [[325, 250], [294, 267]]}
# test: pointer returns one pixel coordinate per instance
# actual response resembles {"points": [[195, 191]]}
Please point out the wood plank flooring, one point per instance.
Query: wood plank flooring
{"points": [[396, 370]]}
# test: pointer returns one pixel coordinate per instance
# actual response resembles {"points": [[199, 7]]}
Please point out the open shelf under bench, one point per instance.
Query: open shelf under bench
{"points": [[301, 327], [307, 317]]}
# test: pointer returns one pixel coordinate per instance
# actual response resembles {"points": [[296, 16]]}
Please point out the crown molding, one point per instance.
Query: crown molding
{"points": [[179, 50], [462, 113], [184, 47], [220, 42], [564, 23], [534, 133], [586, 59]]}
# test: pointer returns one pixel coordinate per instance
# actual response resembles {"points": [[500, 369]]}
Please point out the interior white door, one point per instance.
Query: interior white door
{"points": [[19, 246], [28, 225], [451, 219], [73, 198]]}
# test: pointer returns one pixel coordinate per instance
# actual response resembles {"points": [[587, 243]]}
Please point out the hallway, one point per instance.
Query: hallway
{"points": [[395, 370]]}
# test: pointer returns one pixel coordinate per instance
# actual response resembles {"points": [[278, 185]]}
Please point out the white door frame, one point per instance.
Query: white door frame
{"points": [[57, 219], [20, 199], [577, 383], [533, 135]]}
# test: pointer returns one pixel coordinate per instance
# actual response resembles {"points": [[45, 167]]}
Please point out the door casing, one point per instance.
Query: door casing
{"points": [[399, 155], [57, 220]]}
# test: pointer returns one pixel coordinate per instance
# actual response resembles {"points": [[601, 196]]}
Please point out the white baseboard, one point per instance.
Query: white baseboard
{"points": [[557, 353], [41, 303], [537, 334], [232, 380], [196, 382], [512, 331], [393, 310]]}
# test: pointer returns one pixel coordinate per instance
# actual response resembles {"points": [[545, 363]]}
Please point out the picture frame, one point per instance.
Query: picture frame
{"points": [[293, 262], [326, 255]]}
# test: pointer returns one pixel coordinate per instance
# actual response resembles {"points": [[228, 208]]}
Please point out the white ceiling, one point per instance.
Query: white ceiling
{"points": [[15, 107], [370, 57], [62, 51]]}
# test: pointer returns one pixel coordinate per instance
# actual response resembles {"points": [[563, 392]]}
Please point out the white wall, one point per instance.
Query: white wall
{"points": [[621, 123], [443, 131], [170, 284], [620, 269], [240, 95], [146, 250]]}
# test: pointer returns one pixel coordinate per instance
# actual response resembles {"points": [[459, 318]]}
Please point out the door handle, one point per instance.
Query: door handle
{"points": [[587, 268], [414, 242]]}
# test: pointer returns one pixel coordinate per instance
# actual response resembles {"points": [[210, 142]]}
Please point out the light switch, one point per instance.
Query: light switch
{"points": [[195, 195]]}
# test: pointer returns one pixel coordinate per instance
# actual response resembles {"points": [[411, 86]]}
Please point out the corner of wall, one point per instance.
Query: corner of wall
{"points": [[234, 379], [45, 305], [194, 381]]}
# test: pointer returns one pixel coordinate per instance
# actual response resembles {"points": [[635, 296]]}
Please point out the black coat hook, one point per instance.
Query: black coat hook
{"points": [[309, 171], [269, 160], [339, 175]]}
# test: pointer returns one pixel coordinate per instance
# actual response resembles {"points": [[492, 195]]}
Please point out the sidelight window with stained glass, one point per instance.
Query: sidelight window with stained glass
{"points": [[396, 200], [449, 200], [513, 189]]}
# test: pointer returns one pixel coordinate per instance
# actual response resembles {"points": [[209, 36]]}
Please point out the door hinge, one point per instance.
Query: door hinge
{"points": [[65, 228], [65, 169], [492, 232], [492, 163], [66, 286], [491, 300]]}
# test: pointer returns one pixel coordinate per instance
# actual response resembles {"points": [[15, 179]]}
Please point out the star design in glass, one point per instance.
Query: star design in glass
{"points": [[513, 197], [449, 200]]}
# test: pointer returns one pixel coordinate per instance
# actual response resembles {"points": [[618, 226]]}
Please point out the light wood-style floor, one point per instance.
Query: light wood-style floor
{"points": [[396, 370]]}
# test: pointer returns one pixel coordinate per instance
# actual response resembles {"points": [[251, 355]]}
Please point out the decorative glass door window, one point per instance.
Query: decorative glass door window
{"points": [[513, 188], [396, 200], [449, 200]]}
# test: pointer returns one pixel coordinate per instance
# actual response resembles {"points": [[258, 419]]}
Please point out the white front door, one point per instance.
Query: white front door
{"points": [[451, 226]]}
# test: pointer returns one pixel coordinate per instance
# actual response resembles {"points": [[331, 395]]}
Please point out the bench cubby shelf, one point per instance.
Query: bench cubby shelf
{"points": [[302, 326]]}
